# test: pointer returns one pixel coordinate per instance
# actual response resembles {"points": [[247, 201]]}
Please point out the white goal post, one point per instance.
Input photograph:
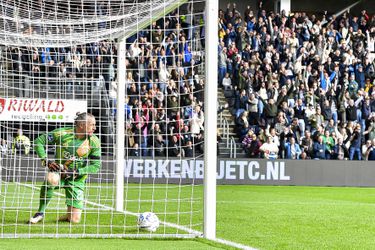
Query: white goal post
{"points": [[147, 71]]}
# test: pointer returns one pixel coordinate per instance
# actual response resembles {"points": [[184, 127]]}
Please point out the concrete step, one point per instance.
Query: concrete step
{"points": [[229, 119], [222, 99], [231, 123], [238, 156], [227, 150], [223, 144], [231, 127], [226, 117], [223, 102], [230, 133], [226, 114], [225, 111]]}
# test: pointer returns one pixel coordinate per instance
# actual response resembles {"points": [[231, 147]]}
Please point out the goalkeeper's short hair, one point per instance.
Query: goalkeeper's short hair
{"points": [[82, 117]]}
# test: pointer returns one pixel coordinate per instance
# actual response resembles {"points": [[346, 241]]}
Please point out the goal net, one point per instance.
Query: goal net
{"points": [[62, 57]]}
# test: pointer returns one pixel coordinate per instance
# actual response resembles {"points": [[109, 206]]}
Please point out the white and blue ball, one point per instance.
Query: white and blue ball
{"points": [[148, 221]]}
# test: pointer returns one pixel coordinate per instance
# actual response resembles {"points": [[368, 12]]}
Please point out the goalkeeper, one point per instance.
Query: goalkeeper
{"points": [[77, 155]]}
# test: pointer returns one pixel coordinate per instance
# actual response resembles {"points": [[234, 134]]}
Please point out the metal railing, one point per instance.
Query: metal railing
{"points": [[224, 125], [230, 140], [233, 148]]}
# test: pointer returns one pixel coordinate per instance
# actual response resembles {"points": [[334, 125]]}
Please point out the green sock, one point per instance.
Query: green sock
{"points": [[46, 193]]}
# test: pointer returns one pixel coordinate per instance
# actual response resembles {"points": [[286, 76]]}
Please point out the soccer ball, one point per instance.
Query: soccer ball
{"points": [[53, 178], [148, 221]]}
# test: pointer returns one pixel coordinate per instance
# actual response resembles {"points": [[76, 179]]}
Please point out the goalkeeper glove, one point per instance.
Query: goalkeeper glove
{"points": [[69, 173], [51, 165]]}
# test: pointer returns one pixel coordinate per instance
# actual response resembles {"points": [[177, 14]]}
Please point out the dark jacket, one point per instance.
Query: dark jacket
{"points": [[320, 150]]}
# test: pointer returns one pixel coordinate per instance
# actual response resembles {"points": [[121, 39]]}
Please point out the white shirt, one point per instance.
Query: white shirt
{"points": [[227, 82]]}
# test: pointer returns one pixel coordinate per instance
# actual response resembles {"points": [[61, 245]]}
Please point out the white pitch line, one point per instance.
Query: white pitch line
{"points": [[233, 244], [186, 229], [344, 203], [191, 231]]}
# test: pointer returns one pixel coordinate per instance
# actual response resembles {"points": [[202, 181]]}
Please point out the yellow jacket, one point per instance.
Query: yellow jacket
{"points": [[21, 140]]}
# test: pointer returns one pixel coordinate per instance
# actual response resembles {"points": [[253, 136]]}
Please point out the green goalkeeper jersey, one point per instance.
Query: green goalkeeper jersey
{"points": [[81, 154]]}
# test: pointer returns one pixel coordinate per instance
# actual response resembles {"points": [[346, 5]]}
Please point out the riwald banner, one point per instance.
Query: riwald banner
{"points": [[40, 110]]}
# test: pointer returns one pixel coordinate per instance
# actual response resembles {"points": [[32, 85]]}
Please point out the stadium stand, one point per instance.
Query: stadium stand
{"points": [[164, 107], [302, 77], [295, 76]]}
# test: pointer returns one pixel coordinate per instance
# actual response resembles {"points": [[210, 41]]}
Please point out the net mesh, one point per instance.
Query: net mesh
{"points": [[60, 57], [64, 23]]}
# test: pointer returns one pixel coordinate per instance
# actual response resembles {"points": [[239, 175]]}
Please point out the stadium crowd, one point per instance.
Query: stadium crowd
{"points": [[164, 97], [65, 65], [303, 86], [164, 90]]}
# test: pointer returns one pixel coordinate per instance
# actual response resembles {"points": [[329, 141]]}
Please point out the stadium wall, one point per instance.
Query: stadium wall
{"points": [[229, 171]]}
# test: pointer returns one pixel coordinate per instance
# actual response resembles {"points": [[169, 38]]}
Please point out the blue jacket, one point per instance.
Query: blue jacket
{"points": [[360, 78], [323, 83], [288, 150]]}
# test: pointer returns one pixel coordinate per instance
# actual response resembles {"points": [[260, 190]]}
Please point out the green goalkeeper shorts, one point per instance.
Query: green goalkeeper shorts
{"points": [[74, 191]]}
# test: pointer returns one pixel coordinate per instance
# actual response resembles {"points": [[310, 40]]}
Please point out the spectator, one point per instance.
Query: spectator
{"points": [[174, 147], [246, 141], [364, 149], [197, 119], [253, 109], [269, 149], [355, 143], [292, 149], [370, 153], [365, 112], [241, 102], [329, 142], [254, 147], [316, 120], [135, 150], [299, 114], [331, 127], [270, 110], [3, 147], [371, 129], [320, 149], [340, 151], [351, 111], [296, 130], [222, 64], [21, 143], [242, 125], [159, 146], [227, 82], [188, 149], [284, 137], [310, 111], [308, 145]]}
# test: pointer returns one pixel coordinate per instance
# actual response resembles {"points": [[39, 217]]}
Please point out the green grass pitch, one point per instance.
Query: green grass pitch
{"points": [[263, 217], [290, 217], [181, 205]]}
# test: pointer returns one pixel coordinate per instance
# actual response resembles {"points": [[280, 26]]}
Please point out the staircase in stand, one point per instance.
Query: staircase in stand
{"points": [[226, 138]]}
